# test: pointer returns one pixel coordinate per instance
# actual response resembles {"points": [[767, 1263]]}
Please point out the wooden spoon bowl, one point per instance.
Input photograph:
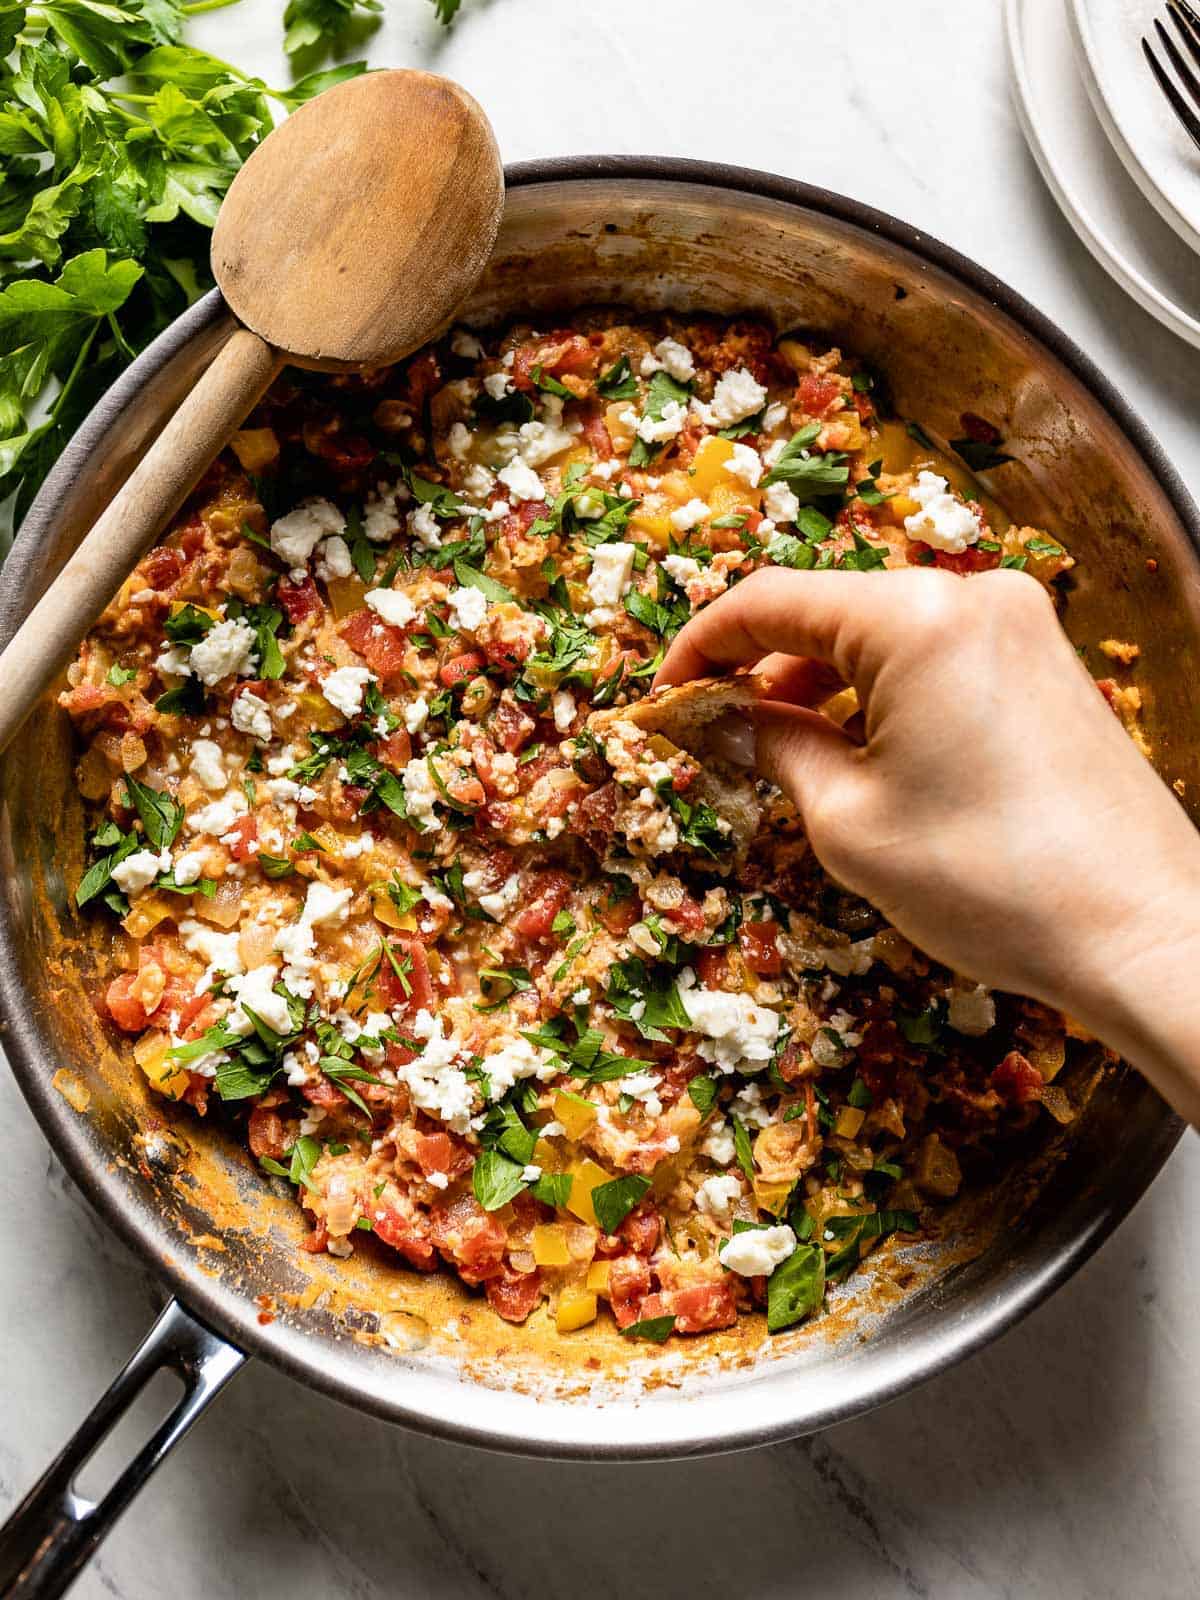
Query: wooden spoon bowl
{"points": [[346, 241]]}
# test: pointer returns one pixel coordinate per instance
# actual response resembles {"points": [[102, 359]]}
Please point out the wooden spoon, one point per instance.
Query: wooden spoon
{"points": [[346, 241]]}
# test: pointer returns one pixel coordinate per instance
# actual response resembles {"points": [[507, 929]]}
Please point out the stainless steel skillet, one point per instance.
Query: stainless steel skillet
{"points": [[950, 340]]}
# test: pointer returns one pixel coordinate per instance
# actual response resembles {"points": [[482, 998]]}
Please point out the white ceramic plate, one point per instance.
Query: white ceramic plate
{"points": [[1105, 208], [1144, 131]]}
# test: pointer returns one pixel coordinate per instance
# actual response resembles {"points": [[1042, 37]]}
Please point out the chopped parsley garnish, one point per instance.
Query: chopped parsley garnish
{"points": [[809, 477], [618, 383], [612, 1202]]}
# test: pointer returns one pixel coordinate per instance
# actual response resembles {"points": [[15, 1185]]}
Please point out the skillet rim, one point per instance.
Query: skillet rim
{"points": [[232, 1313]]}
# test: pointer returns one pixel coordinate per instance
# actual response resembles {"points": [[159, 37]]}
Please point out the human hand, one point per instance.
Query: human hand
{"points": [[996, 812]]}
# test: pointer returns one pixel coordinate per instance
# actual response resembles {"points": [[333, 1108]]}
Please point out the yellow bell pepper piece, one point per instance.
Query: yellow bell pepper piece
{"points": [[147, 912], [255, 448], [732, 495], [709, 466], [576, 1308], [771, 1197], [652, 525], [180, 605], [385, 911], [587, 1176], [849, 1120], [619, 431], [550, 1246], [163, 1074], [575, 1114], [318, 712], [345, 595], [598, 1276]]}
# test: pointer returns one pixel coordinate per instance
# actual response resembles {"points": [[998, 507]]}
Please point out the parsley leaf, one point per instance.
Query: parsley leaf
{"points": [[796, 1288], [612, 1202], [656, 1329], [162, 817], [809, 477], [496, 1180], [618, 383]]}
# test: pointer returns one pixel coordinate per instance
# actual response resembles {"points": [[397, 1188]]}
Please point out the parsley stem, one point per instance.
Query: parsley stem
{"points": [[196, 6], [76, 369]]}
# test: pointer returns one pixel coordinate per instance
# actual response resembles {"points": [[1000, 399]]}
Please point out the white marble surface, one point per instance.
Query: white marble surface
{"points": [[1064, 1461]]}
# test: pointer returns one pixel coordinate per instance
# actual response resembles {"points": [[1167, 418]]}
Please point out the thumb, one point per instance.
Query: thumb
{"points": [[800, 750]]}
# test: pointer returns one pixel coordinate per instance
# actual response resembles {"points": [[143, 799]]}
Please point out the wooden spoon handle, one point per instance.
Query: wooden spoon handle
{"points": [[154, 491]]}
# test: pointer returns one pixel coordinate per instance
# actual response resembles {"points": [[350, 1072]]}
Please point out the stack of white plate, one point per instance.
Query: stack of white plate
{"points": [[1124, 172]]}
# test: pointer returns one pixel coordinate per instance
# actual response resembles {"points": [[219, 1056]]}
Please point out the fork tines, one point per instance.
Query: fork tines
{"points": [[1186, 106]]}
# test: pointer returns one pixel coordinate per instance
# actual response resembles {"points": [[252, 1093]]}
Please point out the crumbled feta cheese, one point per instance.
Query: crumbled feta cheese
{"points": [[667, 426], [521, 481], [391, 606], [251, 715], [478, 482], [174, 662], [420, 793], [435, 1079], [517, 1058], [688, 516], [468, 607], [780, 504], [334, 559], [671, 357], [344, 689], [738, 395], [296, 943], [745, 463], [943, 521], [416, 713], [562, 705], [501, 901], [464, 343], [542, 441], [497, 385], [220, 950], [749, 1106], [717, 1194], [218, 816], [323, 903], [774, 416], [739, 1034], [188, 866], [293, 537], [381, 521], [206, 764], [719, 1144], [459, 440], [611, 574], [682, 569], [644, 1086], [971, 1011], [255, 989], [140, 869], [423, 526], [225, 649], [756, 1252]]}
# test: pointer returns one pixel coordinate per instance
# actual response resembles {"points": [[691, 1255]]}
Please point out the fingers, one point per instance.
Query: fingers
{"points": [[800, 750], [800, 680], [821, 614]]}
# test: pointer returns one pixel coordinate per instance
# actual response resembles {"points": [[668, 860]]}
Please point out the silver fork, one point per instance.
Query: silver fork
{"points": [[1187, 24]]}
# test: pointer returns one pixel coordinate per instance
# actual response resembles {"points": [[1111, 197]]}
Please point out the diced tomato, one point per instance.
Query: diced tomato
{"points": [[126, 1010], [964, 562], [469, 1237], [815, 393], [461, 667], [596, 816], [162, 567], [544, 897], [642, 1229], [712, 966], [560, 354], [759, 943], [597, 435], [246, 831], [395, 751], [629, 1282], [793, 1058], [267, 1134], [508, 654], [418, 996], [406, 1231], [698, 1309], [618, 916], [1017, 1080], [513, 1295], [329, 440], [511, 727], [687, 918], [316, 1241], [299, 600], [438, 1152], [381, 646], [324, 1093]]}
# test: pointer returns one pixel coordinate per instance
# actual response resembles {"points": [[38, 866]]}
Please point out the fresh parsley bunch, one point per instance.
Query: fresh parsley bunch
{"points": [[117, 144]]}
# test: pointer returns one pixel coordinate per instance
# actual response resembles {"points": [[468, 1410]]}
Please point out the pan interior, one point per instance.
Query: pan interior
{"points": [[422, 1350]]}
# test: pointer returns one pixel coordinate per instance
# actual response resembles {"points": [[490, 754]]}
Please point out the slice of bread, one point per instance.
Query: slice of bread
{"points": [[684, 714]]}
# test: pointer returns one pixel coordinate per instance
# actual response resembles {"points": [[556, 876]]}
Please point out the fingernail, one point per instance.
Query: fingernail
{"points": [[732, 738]]}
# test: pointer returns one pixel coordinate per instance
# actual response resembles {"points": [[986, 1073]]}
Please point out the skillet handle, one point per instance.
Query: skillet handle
{"points": [[53, 1532]]}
